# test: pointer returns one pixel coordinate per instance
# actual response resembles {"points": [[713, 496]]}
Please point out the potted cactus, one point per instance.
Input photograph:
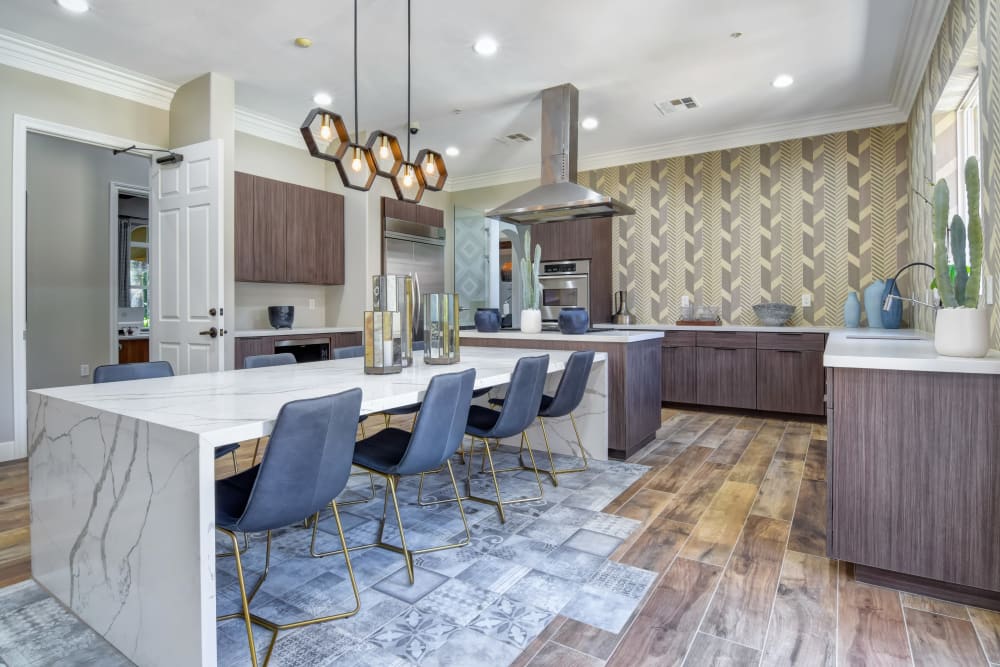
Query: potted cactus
{"points": [[962, 328], [531, 288]]}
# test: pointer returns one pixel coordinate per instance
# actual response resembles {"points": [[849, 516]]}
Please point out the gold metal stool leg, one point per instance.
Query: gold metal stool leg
{"points": [[244, 612]]}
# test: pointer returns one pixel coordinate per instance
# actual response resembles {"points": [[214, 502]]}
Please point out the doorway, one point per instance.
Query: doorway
{"points": [[131, 250]]}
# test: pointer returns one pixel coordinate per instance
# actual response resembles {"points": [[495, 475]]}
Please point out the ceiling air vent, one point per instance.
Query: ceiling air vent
{"points": [[676, 104], [513, 139]]}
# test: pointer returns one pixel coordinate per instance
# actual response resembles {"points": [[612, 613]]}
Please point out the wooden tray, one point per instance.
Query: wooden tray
{"points": [[698, 323]]}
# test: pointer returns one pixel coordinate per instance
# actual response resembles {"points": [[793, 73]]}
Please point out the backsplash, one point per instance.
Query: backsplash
{"points": [[252, 300], [820, 216]]}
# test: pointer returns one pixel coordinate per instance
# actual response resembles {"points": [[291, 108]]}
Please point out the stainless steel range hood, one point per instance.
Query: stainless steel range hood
{"points": [[559, 197]]}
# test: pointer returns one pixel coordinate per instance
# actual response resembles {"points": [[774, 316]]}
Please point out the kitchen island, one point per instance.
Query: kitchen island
{"points": [[122, 484], [633, 378], [913, 465]]}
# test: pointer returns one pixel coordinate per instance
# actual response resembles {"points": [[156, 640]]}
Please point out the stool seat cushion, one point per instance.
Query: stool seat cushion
{"points": [[232, 495], [481, 420], [383, 451], [546, 402]]}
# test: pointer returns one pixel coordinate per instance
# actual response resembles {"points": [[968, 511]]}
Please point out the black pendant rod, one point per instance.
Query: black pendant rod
{"points": [[408, 126], [356, 133]]}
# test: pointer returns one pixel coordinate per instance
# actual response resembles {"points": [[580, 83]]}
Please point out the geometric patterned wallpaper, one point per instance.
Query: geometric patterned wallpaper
{"points": [[989, 92], [732, 228]]}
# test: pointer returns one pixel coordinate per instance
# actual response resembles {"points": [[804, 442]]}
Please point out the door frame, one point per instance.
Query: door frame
{"points": [[18, 448], [118, 188]]}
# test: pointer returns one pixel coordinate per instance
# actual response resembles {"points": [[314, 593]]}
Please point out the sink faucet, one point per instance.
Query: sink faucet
{"points": [[887, 303]]}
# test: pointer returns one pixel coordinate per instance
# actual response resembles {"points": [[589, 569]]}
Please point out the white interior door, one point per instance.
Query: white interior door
{"points": [[186, 262]]}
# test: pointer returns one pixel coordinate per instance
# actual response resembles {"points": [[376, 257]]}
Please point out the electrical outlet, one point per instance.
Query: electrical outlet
{"points": [[807, 300], [685, 301], [312, 304], [84, 370]]}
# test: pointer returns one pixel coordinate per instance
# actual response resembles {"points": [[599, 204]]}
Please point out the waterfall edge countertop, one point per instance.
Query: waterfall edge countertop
{"points": [[603, 336], [717, 328], [256, 333], [899, 350]]}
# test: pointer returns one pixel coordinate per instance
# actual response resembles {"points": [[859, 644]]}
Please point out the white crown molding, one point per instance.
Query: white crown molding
{"points": [[266, 127], [854, 120], [41, 58], [919, 38]]}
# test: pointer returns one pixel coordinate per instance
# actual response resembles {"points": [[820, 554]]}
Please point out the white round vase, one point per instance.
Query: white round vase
{"points": [[531, 321], [962, 332]]}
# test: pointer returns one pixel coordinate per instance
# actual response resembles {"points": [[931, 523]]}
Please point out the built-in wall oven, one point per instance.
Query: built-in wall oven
{"points": [[564, 285], [305, 349]]}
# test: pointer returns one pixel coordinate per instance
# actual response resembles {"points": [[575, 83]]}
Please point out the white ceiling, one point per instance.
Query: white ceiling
{"points": [[854, 61]]}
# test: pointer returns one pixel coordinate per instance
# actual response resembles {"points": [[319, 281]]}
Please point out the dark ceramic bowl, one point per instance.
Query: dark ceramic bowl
{"points": [[281, 317], [488, 320], [574, 320]]}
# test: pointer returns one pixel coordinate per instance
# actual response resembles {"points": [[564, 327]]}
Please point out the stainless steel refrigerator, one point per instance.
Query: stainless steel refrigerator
{"points": [[416, 250]]}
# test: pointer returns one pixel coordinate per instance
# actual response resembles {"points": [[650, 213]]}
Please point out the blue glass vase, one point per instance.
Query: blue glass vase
{"points": [[892, 318], [873, 303], [574, 320], [852, 311], [487, 320]]}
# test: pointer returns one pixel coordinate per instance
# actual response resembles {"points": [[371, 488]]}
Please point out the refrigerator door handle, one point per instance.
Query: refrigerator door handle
{"points": [[418, 311]]}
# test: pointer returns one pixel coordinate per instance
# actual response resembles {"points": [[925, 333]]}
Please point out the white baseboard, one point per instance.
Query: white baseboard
{"points": [[8, 452]]}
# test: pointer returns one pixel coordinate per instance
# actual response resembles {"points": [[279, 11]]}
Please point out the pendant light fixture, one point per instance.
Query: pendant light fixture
{"points": [[409, 183]]}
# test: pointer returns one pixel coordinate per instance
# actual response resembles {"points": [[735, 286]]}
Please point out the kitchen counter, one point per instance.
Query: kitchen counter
{"points": [[721, 327], [256, 333], [556, 337], [899, 350], [123, 482]]}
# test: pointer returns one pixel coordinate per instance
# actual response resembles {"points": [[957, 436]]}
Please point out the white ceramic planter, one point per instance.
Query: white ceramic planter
{"points": [[531, 321], [962, 332]]}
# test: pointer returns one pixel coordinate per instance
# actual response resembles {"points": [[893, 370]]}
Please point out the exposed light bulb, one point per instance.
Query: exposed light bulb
{"points": [[383, 148], [356, 162], [324, 129], [407, 178], [429, 164]]}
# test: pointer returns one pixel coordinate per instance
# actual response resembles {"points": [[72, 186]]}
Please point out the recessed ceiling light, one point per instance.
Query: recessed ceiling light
{"points": [[75, 6], [322, 99], [783, 81], [485, 46], [452, 151], [303, 42], [589, 123]]}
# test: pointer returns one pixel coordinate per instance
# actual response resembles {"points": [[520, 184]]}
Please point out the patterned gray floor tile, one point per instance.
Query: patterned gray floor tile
{"points": [[317, 645], [600, 608], [523, 550], [373, 565], [612, 524], [552, 532], [494, 574], [570, 563], [457, 600], [621, 579], [398, 584], [449, 562], [512, 622], [368, 654], [543, 590], [21, 594], [324, 595], [469, 648], [414, 634], [377, 610], [598, 544], [569, 516]]}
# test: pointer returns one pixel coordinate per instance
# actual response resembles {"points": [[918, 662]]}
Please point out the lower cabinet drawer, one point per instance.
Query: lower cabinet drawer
{"points": [[727, 377], [790, 381], [679, 375]]}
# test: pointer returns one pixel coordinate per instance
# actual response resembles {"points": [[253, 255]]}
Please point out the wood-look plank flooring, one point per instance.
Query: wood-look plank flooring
{"points": [[734, 521]]}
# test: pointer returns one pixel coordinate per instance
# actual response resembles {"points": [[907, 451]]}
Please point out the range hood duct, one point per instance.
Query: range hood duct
{"points": [[559, 197]]}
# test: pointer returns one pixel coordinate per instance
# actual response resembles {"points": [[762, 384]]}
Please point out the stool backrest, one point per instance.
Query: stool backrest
{"points": [[524, 396], [572, 385], [441, 423], [349, 352], [267, 360], [141, 370], [307, 460]]}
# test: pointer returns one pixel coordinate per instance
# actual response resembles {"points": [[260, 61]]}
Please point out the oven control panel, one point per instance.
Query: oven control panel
{"points": [[565, 268]]}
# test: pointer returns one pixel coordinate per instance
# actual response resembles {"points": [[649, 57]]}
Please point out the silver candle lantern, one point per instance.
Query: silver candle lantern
{"points": [[393, 293], [441, 329], [383, 344]]}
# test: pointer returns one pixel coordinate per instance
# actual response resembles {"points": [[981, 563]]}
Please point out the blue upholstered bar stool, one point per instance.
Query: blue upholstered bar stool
{"points": [[525, 391], [349, 352], [268, 360], [306, 463], [144, 370], [392, 453], [568, 396]]}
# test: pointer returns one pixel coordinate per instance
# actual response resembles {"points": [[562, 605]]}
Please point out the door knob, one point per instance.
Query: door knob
{"points": [[211, 333], [211, 311]]}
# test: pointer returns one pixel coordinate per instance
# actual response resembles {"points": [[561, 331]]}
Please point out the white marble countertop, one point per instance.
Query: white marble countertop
{"points": [[899, 350], [709, 329], [233, 406], [255, 333], [593, 336]]}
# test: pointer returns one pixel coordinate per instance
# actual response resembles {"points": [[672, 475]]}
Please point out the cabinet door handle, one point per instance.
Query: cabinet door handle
{"points": [[789, 351]]}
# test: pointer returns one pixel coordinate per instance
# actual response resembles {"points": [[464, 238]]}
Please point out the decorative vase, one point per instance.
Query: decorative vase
{"points": [[441, 329], [873, 303], [395, 294], [892, 318], [488, 320], [962, 332], [852, 311], [382, 342], [281, 317], [574, 320], [531, 321]]}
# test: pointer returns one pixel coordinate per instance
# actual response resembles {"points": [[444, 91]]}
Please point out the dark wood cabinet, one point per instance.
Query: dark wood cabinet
{"points": [[253, 345], [679, 374], [727, 377], [287, 233], [133, 350], [249, 347], [569, 239], [790, 381], [401, 210]]}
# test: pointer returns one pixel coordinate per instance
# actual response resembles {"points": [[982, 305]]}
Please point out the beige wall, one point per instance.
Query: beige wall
{"points": [[47, 99], [68, 259]]}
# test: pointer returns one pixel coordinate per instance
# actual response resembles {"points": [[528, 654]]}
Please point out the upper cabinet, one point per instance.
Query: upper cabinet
{"points": [[287, 233], [401, 210]]}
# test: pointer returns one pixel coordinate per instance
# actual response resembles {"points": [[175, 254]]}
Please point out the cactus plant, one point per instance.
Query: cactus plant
{"points": [[531, 286], [953, 287]]}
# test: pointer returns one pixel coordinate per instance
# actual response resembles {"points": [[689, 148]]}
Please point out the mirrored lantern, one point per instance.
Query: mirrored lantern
{"points": [[431, 163], [409, 183], [383, 343], [441, 329], [395, 294], [357, 168], [386, 152], [325, 134]]}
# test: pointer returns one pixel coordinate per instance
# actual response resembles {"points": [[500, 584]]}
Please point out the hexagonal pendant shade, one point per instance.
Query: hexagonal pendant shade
{"points": [[325, 134], [431, 163], [386, 152], [357, 168], [409, 183]]}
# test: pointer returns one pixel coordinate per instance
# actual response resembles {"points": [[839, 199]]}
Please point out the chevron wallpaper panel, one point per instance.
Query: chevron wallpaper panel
{"points": [[732, 228], [989, 113]]}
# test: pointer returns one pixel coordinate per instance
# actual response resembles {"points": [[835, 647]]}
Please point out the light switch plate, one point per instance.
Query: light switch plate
{"points": [[685, 301], [312, 304], [807, 300], [84, 370]]}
